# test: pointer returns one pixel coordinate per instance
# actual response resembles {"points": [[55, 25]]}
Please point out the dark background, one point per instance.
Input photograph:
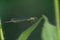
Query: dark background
{"points": [[22, 9]]}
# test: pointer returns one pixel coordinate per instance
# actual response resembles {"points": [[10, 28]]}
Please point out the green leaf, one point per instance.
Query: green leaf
{"points": [[49, 31], [24, 35]]}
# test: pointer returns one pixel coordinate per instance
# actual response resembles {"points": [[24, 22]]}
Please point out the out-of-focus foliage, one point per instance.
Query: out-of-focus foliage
{"points": [[49, 30]]}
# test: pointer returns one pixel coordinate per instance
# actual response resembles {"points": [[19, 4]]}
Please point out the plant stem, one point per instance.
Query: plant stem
{"points": [[56, 5]]}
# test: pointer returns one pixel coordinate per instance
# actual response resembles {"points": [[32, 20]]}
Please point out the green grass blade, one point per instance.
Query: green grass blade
{"points": [[24, 35], [1, 32], [48, 31]]}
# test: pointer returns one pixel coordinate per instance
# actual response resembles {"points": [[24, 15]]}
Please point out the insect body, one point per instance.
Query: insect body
{"points": [[21, 20]]}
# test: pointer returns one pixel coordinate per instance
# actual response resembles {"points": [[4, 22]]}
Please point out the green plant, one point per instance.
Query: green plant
{"points": [[1, 32], [48, 33], [57, 14]]}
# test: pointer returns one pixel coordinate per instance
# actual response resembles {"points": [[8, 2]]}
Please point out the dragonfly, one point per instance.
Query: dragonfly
{"points": [[21, 20]]}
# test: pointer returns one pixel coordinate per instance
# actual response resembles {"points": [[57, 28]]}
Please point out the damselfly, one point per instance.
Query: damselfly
{"points": [[21, 20]]}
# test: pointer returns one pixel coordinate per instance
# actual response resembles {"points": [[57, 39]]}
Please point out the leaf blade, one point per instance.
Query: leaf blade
{"points": [[49, 30], [24, 35]]}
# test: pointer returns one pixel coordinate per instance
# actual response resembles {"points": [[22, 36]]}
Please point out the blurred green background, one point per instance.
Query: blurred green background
{"points": [[23, 9]]}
